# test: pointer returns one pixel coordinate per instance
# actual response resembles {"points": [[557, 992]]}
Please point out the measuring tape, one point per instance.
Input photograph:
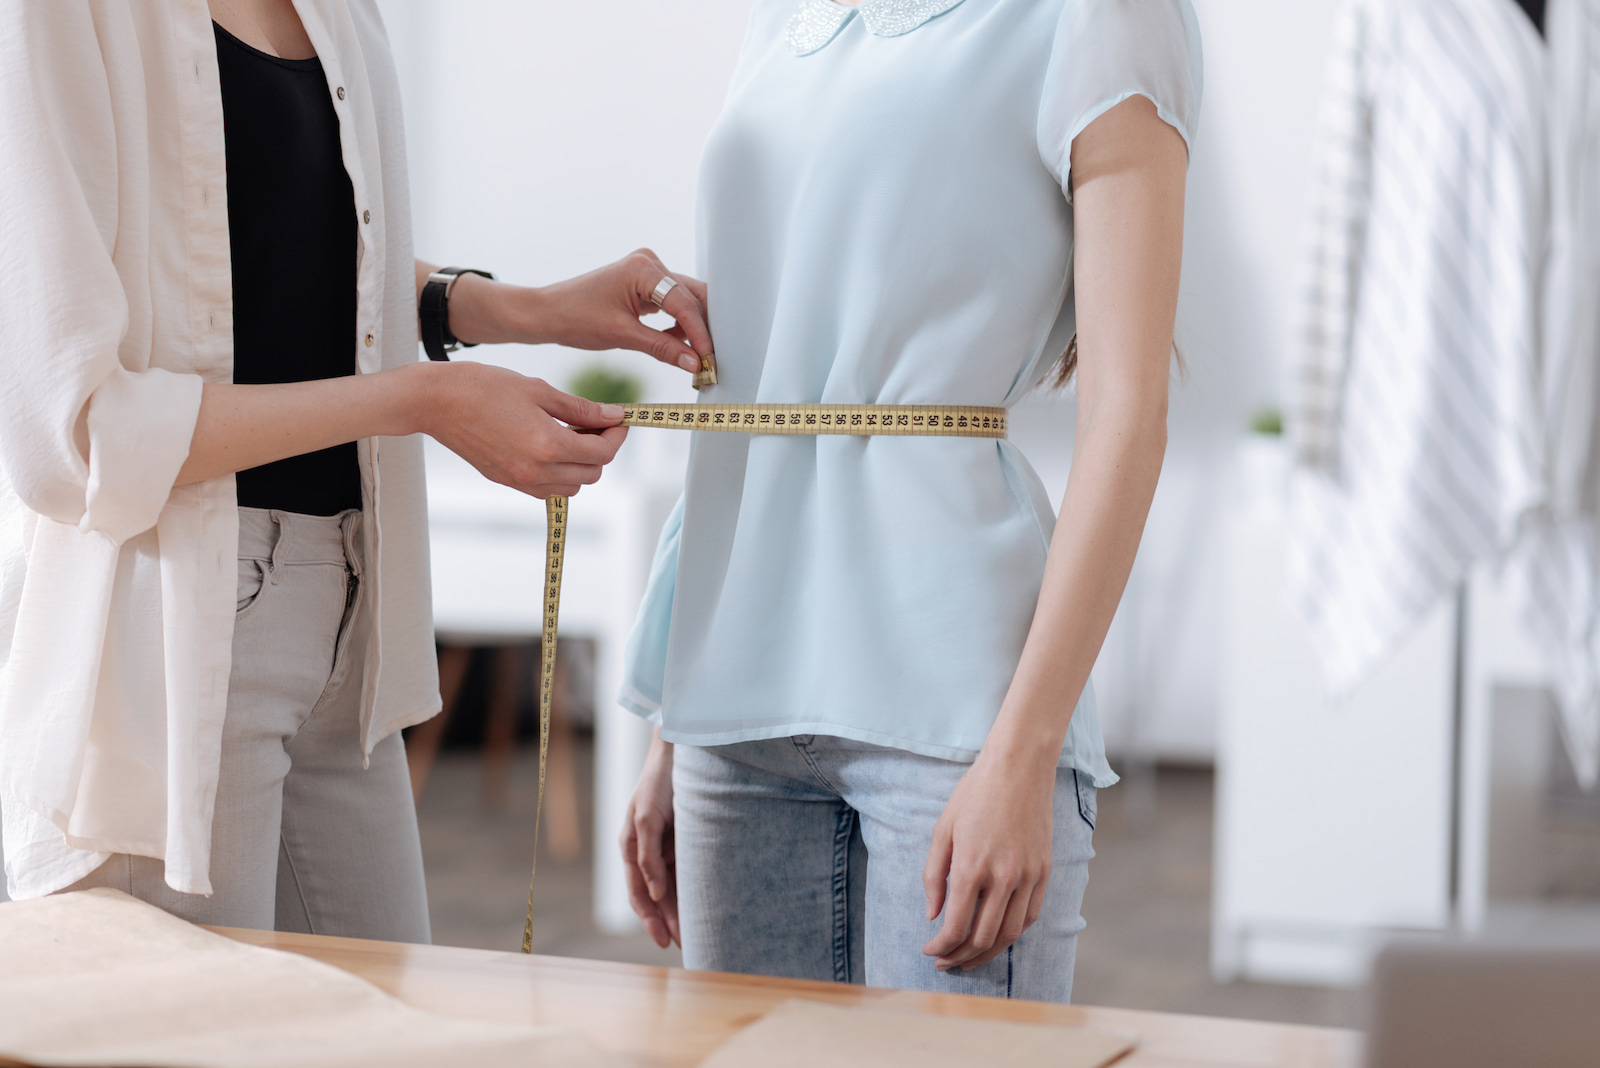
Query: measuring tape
{"points": [[903, 420]]}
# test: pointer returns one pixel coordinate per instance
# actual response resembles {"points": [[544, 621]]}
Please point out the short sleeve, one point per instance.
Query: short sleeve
{"points": [[1106, 51]]}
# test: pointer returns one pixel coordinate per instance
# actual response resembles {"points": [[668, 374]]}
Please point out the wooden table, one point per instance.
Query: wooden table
{"points": [[671, 1017]]}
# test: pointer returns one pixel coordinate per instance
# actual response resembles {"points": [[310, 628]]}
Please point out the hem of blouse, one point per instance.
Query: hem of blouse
{"points": [[641, 705], [1101, 777], [426, 712], [83, 856], [37, 887]]}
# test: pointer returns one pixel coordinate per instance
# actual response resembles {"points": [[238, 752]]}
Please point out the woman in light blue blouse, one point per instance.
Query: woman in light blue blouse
{"points": [[877, 752]]}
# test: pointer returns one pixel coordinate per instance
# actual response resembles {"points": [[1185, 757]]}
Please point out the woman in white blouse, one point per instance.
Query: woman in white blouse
{"points": [[200, 700], [877, 754]]}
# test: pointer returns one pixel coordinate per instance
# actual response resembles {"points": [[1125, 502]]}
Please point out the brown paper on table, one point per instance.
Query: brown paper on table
{"points": [[97, 978], [805, 1034]]}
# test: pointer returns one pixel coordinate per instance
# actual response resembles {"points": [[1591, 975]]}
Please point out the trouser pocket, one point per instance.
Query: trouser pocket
{"points": [[1087, 797], [253, 585]]}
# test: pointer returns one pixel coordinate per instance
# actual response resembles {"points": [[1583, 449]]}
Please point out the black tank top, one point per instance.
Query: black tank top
{"points": [[292, 235]]}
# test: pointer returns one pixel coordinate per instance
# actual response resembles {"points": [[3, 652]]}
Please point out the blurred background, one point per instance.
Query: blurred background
{"points": [[1264, 839]]}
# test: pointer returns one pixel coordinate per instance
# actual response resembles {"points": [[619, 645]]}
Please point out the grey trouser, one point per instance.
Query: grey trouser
{"points": [[304, 839]]}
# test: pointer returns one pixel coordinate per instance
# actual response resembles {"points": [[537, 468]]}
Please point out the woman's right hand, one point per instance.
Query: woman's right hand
{"points": [[595, 311], [512, 428], [648, 854]]}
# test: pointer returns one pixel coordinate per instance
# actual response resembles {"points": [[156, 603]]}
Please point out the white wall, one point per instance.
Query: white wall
{"points": [[547, 139]]}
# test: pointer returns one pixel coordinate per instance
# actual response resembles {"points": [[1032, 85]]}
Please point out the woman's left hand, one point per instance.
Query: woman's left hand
{"points": [[990, 861]]}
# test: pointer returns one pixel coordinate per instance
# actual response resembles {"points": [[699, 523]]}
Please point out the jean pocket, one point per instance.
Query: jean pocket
{"points": [[1087, 797], [252, 584]]}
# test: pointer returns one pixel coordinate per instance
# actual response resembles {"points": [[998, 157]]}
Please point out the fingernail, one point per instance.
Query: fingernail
{"points": [[655, 892], [611, 411], [689, 363]]}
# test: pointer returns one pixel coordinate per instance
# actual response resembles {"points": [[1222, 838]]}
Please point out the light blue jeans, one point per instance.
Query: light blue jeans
{"points": [[802, 857]]}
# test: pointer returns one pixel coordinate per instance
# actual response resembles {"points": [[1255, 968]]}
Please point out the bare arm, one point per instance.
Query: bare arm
{"points": [[506, 425], [598, 310], [993, 841], [503, 423]]}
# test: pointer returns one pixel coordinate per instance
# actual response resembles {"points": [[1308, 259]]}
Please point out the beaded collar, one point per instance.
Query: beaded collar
{"points": [[816, 22]]}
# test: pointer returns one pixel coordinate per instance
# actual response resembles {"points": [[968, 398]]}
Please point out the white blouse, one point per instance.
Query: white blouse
{"points": [[117, 590], [885, 218]]}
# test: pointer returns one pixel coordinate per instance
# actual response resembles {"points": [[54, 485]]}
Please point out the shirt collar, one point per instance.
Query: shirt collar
{"points": [[816, 22]]}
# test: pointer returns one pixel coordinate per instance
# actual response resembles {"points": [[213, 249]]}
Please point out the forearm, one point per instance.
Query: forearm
{"points": [[241, 427], [595, 311], [1129, 186], [1115, 466], [487, 312], [508, 426]]}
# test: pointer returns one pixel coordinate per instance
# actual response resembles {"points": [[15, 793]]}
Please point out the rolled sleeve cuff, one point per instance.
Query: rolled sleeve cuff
{"points": [[141, 425]]}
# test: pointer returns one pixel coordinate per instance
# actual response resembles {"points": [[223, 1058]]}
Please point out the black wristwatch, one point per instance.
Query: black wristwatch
{"points": [[433, 310]]}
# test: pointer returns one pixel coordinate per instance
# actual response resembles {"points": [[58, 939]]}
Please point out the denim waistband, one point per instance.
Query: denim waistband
{"points": [[278, 538]]}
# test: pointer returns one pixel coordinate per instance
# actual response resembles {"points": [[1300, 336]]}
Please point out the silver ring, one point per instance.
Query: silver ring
{"points": [[663, 287]]}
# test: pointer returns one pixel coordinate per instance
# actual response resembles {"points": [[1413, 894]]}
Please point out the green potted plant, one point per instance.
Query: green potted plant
{"points": [[1264, 460], [601, 384]]}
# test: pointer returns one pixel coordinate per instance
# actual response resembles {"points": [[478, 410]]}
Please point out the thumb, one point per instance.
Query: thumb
{"points": [[579, 411]]}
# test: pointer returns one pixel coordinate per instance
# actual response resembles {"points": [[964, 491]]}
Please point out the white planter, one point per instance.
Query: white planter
{"points": [[1263, 471]]}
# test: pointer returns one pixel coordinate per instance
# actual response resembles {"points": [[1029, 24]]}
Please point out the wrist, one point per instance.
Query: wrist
{"points": [[529, 315], [483, 311], [1023, 745], [472, 309], [659, 749], [427, 393]]}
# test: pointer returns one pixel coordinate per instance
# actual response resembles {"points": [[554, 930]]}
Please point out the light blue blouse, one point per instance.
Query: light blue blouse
{"points": [[885, 218]]}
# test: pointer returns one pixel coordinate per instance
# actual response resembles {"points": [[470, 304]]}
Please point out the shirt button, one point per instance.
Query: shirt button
{"points": [[340, 91], [369, 341], [366, 216]]}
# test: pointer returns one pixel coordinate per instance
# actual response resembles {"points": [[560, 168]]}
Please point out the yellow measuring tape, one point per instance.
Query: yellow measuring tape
{"points": [[908, 420]]}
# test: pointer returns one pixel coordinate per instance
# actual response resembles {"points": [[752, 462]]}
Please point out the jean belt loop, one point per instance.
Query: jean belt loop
{"points": [[277, 546]]}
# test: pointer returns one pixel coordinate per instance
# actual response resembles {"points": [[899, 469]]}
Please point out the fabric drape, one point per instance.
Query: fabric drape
{"points": [[1442, 402]]}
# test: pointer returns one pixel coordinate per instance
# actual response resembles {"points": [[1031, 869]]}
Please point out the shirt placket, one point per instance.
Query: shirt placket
{"points": [[355, 113]]}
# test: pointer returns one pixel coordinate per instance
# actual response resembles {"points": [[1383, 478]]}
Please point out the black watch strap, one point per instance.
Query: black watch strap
{"points": [[433, 312]]}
